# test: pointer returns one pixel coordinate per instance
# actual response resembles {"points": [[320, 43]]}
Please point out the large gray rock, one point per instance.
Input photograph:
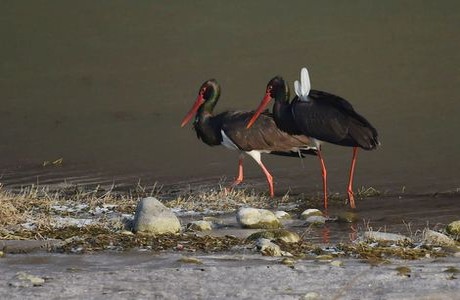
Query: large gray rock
{"points": [[155, 218], [257, 218]]}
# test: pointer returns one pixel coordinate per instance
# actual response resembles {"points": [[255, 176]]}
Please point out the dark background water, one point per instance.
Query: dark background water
{"points": [[104, 85]]}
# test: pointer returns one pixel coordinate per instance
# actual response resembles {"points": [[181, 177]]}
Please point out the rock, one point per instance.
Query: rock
{"points": [[432, 237], [316, 220], [454, 228], [347, 217], [287, 261], [279, 234], [190, 260], [257, 218], [403, 271], [2, 254], [324, 257], [23, 279], [199, 226], [385, 236], [311, 296], [126, 232], [266, 247], [154, 218], [337, 263], [282, 215], [311, 212]]}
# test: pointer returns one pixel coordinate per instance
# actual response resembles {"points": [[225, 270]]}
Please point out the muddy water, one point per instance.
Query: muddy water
{"points": [[104, 86]]}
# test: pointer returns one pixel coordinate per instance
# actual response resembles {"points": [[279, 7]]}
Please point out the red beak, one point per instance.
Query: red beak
{"points": [[199, 101], [260, 109]]}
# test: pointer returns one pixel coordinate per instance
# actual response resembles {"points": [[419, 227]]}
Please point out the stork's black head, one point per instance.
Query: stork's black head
{"points": [[207, 98], [278, 90]]}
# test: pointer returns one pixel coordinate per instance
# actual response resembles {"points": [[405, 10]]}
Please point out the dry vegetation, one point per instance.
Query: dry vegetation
{"points": [[43, 213]]}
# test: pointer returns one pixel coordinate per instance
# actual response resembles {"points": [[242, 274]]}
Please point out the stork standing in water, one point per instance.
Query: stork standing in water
{"points": [[229, 129], [322, 117]]}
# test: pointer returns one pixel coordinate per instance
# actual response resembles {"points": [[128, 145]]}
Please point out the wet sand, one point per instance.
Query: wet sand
{"points": [[147, 276]]}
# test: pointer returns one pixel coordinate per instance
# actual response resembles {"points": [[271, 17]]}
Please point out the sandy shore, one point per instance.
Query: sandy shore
{"points": [[142, 275]]}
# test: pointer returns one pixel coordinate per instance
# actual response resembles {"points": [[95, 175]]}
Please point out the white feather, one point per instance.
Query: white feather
{"points": [[297, 88], [302, 88], [305, 80]]}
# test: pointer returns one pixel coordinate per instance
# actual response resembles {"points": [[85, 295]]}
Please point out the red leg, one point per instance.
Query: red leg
{"points": [[256, 155], [239, 179], [269, 179], [324, 174], [351, 197]]}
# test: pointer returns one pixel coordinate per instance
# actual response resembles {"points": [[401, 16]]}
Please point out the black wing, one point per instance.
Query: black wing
{"points": [[329, 118]]}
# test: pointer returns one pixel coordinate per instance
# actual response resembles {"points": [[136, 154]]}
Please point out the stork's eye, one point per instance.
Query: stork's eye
{"points": [[269, 88]]}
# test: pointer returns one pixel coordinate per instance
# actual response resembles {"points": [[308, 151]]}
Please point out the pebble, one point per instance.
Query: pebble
{"points": [[453, 228], [385, 236], [266, 247], [435, 238], [154, 218], [347, 217], [311, 212], [337, 263], [257, 218], [311, 296], [278, 234], [199, 226], [282, 215], [23, 279], [316, 220]]}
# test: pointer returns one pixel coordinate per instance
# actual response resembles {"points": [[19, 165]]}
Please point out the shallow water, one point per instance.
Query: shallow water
{"points": [[104, 86]]}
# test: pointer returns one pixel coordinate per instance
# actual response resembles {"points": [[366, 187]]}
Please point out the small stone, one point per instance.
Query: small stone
{"points": [[385, 236], [126, 232], [200, 226], [279, 234], [311, 212], [287, 261], [257, 218], [153, 217], [311, 296], [2, 254], [324, 257], [282, 215], [403, 271], [337, 263], [454, 228], [190, 260], [432, 237], [25, 280], [267, 248], [316, 220], [213, 220], [452, 270], [347, 217]]}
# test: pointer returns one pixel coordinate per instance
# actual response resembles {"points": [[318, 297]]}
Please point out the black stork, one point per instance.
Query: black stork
{"points": [[229, 129], [322, 117]]}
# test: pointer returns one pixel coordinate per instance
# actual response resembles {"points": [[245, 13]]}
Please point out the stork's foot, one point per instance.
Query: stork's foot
{"points": [[351, 198]]}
